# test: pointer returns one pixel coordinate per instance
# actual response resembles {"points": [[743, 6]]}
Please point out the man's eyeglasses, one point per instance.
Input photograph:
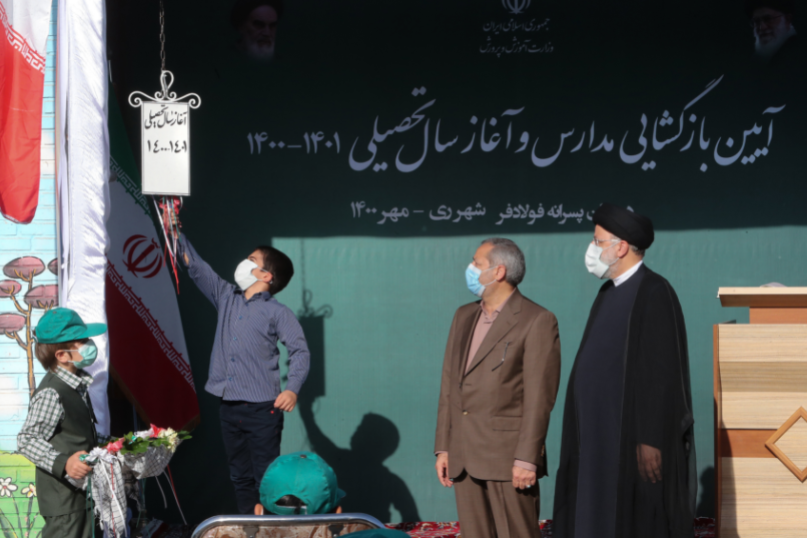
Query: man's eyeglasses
{"points": [[599, 242], [765, 20]]}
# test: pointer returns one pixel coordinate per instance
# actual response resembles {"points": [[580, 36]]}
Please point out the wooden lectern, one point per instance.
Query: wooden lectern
{"points": [[760, 387]]}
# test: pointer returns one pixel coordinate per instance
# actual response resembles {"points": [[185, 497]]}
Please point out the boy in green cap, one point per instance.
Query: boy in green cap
{"points": [[302, 483], [299, 483], [60, 425]]}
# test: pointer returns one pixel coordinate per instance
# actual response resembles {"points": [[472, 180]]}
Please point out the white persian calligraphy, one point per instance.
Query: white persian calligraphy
{"points": [[522, 213], [643, 143]]}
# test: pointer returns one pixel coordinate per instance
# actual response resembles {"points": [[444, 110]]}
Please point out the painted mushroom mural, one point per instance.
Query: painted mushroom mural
{"points": [[17, 326]]}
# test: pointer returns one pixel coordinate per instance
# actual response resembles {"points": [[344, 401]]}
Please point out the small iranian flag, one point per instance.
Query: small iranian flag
{"points": [[147, 352], [22, 82]]}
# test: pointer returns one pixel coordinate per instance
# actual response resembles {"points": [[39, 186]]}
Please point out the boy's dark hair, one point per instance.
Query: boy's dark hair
{"points": [[46, 353], [291, 501], [279, 264]]}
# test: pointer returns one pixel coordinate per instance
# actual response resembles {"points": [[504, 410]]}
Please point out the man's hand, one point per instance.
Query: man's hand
{"points": [[523, 479], [442, 469], [649, 460], [75, 468], [187, 260], [286, 401]]}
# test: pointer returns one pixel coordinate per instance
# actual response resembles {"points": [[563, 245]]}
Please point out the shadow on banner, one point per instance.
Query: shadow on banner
{"points": [[371, 487]]}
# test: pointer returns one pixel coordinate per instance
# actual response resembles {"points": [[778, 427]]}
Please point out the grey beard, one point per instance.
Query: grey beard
{"points": [[610, 272], [260, 52], [766, 51]]}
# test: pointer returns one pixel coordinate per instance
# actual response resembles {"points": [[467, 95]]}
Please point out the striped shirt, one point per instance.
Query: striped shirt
{"points": [[45, 413], [244, 363]]}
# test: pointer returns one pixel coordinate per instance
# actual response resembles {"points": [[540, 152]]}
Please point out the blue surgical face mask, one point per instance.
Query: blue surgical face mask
{"points": [[472, 274], [88, 352]]}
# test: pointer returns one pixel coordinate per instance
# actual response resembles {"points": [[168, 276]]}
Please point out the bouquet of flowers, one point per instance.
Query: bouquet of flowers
{"points": [[146, 453], [121, 461]]}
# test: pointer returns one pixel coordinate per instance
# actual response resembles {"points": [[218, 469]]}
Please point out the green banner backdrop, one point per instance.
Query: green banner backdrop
{"points": [[383, 141]]}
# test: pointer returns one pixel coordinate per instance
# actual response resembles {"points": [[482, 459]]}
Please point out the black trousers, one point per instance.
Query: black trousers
{"points": [[251, 434]]}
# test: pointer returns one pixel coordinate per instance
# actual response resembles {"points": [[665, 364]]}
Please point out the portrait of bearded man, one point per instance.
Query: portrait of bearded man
{"points": [[772, 26], [256, 23]]}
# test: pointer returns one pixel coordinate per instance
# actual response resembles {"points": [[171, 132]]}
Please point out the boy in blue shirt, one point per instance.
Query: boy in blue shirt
{"points": [[244, 369]]}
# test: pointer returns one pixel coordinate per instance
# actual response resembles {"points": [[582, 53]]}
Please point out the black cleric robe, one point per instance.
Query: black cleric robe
{"points": [[598, 391], [655, 409]]}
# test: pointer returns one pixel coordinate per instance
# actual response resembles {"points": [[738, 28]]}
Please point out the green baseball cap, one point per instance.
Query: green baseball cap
{"points": [[304, 475], [61, 325]]}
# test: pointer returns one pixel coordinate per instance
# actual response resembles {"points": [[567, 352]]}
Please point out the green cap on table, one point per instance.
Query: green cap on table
{"points": [[304, 475]]}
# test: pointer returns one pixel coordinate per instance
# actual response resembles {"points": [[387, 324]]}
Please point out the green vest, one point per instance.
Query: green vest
{"points": [[75, 432]]}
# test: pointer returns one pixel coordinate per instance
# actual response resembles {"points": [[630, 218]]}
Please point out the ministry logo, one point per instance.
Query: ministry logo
{"points": [[516, 7]]}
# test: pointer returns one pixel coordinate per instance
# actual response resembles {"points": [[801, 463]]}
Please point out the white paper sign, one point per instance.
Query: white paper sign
{"points": [[165, 150]]}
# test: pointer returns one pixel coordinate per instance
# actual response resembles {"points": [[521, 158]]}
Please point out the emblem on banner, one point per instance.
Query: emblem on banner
{"points": [[516, 7], [143, 259]]}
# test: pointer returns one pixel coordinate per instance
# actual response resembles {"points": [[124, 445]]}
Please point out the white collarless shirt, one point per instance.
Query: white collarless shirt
{"points": [[627, 275]]}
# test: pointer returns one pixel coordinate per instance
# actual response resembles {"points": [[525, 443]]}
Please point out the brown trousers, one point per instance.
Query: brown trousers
{"points": [[490, 509]]}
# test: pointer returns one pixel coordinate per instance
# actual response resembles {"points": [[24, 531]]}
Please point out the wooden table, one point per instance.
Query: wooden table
{"points": [[760, 392]]}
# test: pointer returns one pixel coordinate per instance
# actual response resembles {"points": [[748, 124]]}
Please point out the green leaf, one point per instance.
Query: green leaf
{"points": [[131, 444], [141, 446], [8, 528], [138, 446]]}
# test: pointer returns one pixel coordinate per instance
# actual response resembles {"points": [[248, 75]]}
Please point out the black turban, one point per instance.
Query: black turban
{"points": [[629, 226], [788, 7], [243, 8]]}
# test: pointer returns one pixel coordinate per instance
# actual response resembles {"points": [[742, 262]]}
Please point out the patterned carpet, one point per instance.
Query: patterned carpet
{"points": [[704, 528]]}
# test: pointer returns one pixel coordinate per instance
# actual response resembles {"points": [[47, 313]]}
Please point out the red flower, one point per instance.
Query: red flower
{"points": [[156, 431], [115, 446]]}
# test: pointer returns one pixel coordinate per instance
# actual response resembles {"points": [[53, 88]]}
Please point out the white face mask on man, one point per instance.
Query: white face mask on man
{"points": [[594, 263]]}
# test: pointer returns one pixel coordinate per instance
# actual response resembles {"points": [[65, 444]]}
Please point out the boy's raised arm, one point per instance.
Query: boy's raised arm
{"points": [[208, 281]]}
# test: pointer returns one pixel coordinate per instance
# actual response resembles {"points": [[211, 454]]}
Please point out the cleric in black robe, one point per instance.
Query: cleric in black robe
{"points": [[627, 463]]}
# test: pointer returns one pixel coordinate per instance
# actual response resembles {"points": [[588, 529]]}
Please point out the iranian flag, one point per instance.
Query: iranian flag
{"points": [[22, 82], [147, 352]]}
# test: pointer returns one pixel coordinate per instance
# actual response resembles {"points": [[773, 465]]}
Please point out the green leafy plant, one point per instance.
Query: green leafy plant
{"points": [[7, 526]]}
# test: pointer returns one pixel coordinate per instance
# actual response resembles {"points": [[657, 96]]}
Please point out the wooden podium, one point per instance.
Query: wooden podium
{"points": [[760, 389]]}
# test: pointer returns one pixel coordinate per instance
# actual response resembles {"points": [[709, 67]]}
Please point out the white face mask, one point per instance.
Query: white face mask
{"points": [[244, 276], [595, 264]]}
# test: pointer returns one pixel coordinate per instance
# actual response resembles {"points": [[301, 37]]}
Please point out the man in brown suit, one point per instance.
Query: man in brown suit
{"points": [[500, 379]]}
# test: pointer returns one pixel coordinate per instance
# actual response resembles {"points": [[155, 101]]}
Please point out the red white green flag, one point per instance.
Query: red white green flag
{"points": [[147, 352], [25, 25]]}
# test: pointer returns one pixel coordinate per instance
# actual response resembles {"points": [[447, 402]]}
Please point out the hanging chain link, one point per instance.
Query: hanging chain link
{"points": [[162, 36]]}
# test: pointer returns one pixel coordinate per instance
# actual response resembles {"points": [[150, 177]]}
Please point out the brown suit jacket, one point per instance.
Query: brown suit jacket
{"points": [[499, 411]]}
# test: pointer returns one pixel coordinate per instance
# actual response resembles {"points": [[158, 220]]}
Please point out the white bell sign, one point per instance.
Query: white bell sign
{"points": [[165, 150]]}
